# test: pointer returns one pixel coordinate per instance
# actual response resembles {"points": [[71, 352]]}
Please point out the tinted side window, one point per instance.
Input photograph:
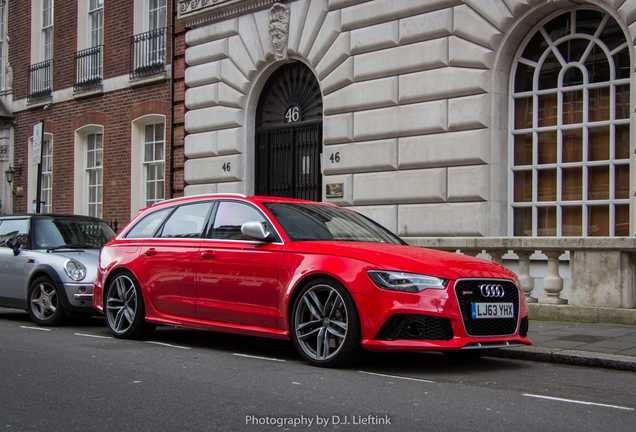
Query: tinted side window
{"points": [[14, 228], [230, 217], [147, 226], [187, 221]]}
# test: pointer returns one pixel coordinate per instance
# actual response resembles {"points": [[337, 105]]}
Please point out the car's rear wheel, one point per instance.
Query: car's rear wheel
{"points": [[45, 308], [325, 324], [125, 310]]}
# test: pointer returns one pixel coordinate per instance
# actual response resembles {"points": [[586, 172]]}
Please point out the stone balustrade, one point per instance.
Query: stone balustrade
{"points": [[602, 271]]}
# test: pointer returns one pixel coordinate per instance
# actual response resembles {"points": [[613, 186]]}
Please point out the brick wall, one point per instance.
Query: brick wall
{"points": [[19, 31], [180, 109], [114, 111], [64, 43]]}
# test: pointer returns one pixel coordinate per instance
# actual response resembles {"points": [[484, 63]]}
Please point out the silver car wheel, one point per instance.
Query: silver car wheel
{"points": [[44, 301], [121, 304], [321, 322]]}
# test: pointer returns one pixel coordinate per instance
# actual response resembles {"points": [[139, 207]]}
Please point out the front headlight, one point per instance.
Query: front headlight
{"points": [[407, 282], [75, 270]]}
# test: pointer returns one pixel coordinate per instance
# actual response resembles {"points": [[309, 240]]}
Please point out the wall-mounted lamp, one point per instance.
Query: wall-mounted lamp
{"points": [[10, 173]]}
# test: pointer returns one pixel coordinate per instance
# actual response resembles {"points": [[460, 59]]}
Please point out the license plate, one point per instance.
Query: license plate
{"points": [[493, 310]]}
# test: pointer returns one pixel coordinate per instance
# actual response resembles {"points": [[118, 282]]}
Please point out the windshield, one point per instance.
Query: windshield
{"points": [[310, 222], [71, 232]]}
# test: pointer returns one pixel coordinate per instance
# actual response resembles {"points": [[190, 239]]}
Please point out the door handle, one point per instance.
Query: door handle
{"points": [[151, 252], [208, 254]]}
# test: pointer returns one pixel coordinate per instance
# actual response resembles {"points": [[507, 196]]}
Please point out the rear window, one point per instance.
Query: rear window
{"points": [[146, 226]]}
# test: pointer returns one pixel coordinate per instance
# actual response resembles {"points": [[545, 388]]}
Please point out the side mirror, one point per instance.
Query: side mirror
{"points": [[13, 244], [255, 230]]}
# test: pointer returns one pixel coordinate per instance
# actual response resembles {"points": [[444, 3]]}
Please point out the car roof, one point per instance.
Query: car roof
{"points": [[49, 216], [252, 198]]}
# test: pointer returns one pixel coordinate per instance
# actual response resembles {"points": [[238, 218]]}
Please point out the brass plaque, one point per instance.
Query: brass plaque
{"points": [[335, 190]]}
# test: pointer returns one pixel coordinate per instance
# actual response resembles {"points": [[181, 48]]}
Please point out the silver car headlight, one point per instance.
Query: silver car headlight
{"points": [[75, 270], [407, 282]]}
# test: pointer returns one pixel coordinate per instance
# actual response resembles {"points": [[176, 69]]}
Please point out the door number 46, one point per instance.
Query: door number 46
{"points": [[335, 157]]}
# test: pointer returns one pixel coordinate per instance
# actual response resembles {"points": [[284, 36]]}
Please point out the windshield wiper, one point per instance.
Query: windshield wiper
{"points": [[71, 246]]}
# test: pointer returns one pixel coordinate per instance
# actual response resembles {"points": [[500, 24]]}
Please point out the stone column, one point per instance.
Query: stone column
{"points": [[553, 283], [497, 255], [526, 282]]}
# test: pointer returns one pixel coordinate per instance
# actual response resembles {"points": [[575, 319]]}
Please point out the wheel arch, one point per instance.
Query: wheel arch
{"points": [[303, 282], [112, 274], [46, 271]]}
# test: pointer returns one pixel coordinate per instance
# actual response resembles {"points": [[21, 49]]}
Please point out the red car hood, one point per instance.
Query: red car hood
{"points": [[410, 259]]}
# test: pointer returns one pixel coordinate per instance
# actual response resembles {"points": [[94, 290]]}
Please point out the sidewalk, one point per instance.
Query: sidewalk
{"points": [[611, 346]]}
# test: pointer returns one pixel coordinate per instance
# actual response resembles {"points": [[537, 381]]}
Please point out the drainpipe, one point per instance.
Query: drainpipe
{"points": [[172, 80]]}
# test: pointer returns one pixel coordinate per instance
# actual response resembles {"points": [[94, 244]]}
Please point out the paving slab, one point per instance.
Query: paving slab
{"points": [[610, 346]]}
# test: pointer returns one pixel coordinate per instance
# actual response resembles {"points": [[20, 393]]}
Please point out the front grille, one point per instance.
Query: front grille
{"points": [[468, 292], [523, 327], [416, 327]]}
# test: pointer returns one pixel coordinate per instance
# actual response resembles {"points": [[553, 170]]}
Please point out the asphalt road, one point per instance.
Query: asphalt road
{"points": [[79, 378]]}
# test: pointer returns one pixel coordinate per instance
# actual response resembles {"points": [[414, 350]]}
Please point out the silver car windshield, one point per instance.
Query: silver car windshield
{"points": [[74, 233], [309, 222]]}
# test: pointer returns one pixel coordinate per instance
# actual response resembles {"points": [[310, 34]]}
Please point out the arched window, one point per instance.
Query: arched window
{"points": [[570, 156]]}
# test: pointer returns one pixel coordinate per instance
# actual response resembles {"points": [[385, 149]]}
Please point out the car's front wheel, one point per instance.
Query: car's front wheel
{"points": [[325, 324], [45, 308], [125, 310]]}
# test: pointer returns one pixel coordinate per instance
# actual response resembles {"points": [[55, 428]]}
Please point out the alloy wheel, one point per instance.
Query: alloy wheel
{"points": [[321, 322], [44, 301], [121, 304]]}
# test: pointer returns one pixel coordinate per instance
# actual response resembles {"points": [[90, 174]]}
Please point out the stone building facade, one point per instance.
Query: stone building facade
{"points": [[437, 118]]}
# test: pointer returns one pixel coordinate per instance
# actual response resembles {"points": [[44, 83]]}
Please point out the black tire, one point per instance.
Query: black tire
{"points": [[45, 305], [325, 325], [469, 354], [124, 308]]}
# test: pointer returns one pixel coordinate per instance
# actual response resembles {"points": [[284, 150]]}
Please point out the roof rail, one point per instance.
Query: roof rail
{"points": [[202, 195]]}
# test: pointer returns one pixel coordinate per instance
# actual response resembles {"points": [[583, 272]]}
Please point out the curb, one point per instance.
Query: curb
{"points": [[570, 357], [581, 314]]}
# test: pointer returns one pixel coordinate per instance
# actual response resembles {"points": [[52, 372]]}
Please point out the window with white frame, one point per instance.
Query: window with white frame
{"points": [[94, 164], [154, 163], [156, 14], [47, 30], [93, 59], [156, 21], [46, 191], [570, 123], [96, 23]]}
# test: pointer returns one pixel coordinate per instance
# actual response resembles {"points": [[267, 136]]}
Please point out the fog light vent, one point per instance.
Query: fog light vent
{"points": [[416, 327]]}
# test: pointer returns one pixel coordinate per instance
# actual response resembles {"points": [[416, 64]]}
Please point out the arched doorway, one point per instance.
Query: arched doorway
{"points": [[289, 135]]}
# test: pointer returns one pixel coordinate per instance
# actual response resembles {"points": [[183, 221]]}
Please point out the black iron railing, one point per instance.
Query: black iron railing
{"points": [[40, 81], [88, 68], [148, 53]]}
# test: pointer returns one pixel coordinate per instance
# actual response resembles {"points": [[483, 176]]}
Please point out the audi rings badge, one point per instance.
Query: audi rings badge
{"points": [[492, 291]]}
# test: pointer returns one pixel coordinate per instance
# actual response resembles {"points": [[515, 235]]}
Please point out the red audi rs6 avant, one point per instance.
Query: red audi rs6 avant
{"points": [[331, 280]]}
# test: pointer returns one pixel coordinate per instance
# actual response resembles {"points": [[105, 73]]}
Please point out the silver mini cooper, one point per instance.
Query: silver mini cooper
{"points": [[48, 264]]}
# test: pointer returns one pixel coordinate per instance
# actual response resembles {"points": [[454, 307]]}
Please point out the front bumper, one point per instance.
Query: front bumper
{"points": [[456, 343], [439, 320], [79, 294]]}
